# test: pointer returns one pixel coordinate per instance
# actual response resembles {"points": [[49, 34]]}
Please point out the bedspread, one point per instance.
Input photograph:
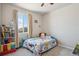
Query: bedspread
{"points": [[38, 45]]}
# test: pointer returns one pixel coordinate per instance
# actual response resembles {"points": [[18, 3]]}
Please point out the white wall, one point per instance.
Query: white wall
{"points": [[36, 26], [45, 23], [63, 24]]}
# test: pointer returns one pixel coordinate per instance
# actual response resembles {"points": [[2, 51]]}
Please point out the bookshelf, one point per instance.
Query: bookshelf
{"points": [[7, 40]]}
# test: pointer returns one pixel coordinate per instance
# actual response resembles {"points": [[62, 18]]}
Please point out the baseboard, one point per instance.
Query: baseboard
{"points": [[66, 47]]}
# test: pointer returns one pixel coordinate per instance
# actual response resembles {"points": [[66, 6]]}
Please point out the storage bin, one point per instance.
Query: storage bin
{"points": [[12, 45], [5, 47], [9, 46], [1, 48]]}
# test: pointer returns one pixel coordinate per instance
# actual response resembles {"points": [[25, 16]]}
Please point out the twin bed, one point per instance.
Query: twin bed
{"points": [[39, 46]]}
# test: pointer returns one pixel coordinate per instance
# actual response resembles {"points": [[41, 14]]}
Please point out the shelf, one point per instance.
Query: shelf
{"points": [[7, 43], [9, 37], [7, 40]]}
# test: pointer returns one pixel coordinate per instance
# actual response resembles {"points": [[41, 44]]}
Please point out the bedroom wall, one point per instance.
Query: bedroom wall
{"points": [[36, 26], [63, 23], [8, 15]]}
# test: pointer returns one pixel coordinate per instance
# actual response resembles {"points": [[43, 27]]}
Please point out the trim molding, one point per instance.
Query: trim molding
{"points": [[71, 48]]}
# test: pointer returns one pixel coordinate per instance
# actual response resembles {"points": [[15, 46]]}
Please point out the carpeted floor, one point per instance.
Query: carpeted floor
{"points": [[57, 51]]}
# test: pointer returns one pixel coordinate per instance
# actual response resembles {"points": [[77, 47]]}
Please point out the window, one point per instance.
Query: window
{"points": [[22, 22]]}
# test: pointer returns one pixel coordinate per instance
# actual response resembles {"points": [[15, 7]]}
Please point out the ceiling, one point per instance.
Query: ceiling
{"points": [[36, 7]]}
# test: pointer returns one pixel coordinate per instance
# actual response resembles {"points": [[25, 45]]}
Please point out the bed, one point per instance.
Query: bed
{"points": [[39, 46]]}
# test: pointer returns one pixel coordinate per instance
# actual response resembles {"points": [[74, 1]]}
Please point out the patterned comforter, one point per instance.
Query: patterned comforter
{"points": [[38, 45]]}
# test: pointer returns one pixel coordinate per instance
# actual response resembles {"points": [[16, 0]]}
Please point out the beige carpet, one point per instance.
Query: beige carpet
{"points": [[53, 52], [57, 51]]}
